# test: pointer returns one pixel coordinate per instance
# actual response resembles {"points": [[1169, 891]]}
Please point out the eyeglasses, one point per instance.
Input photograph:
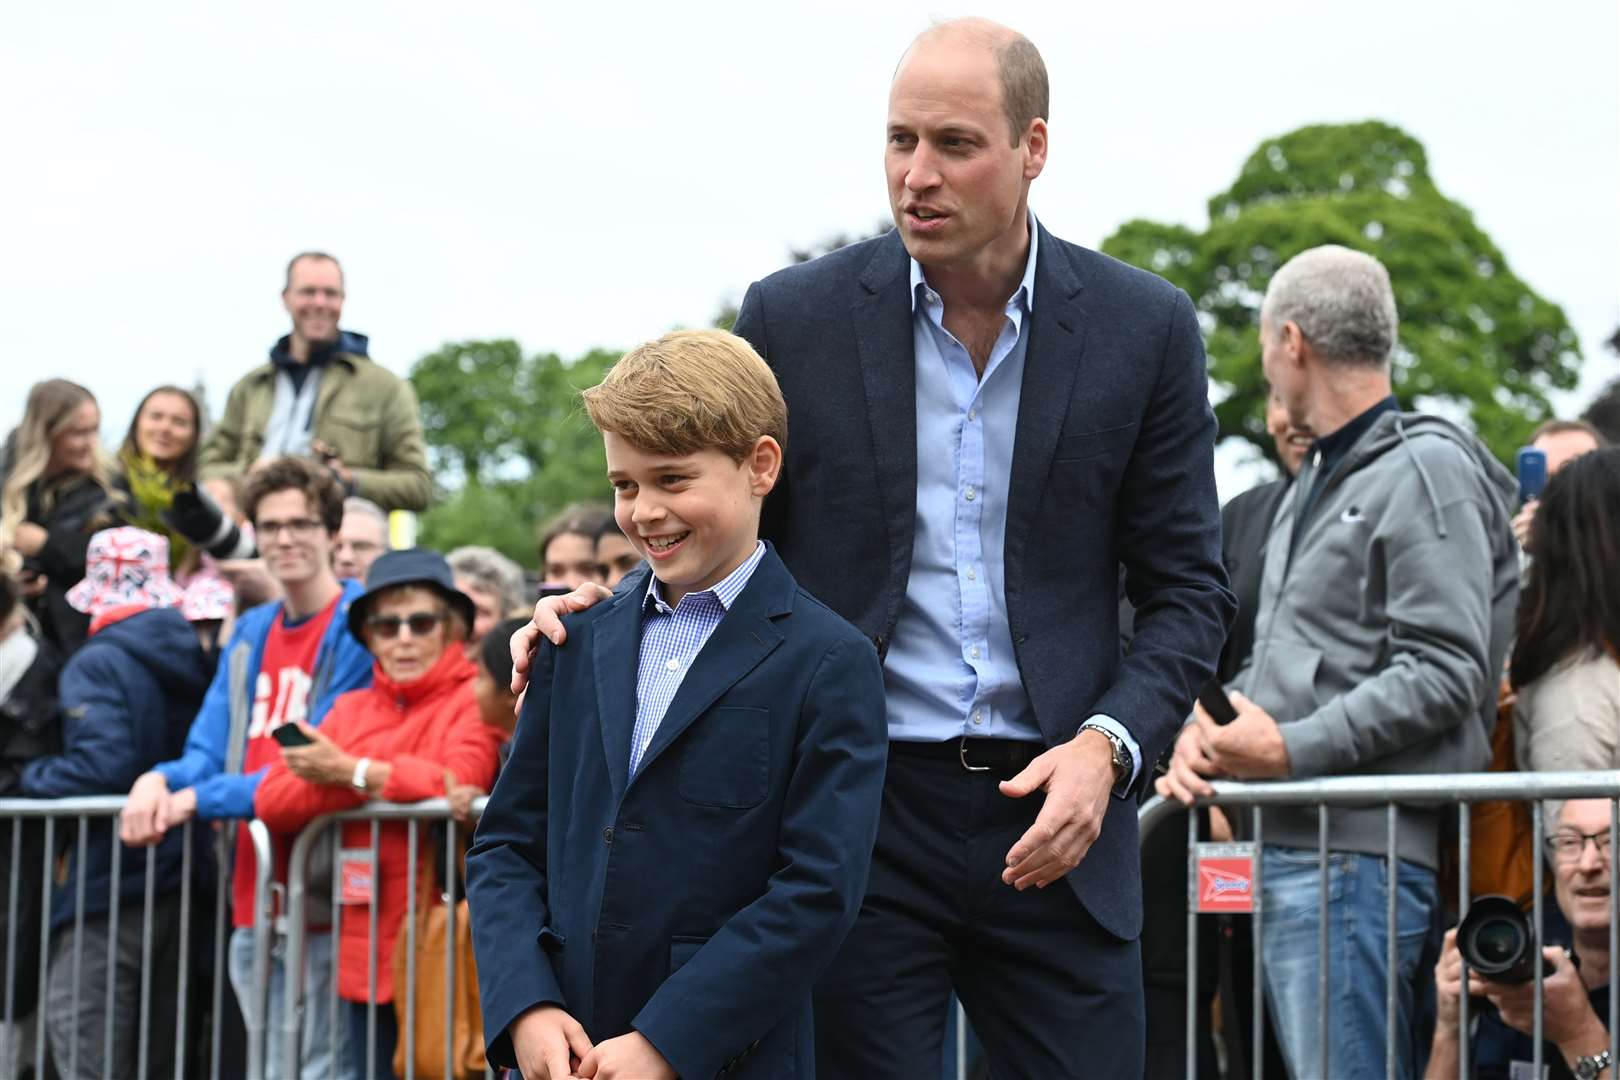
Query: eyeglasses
{"points": [[1569, 847], [421, 624], [297, 528]]}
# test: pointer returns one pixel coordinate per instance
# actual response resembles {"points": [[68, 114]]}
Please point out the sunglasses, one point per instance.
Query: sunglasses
{"points": [[421, 623]]}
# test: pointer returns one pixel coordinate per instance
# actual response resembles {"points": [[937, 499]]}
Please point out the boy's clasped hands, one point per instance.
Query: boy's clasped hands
{"points": [[551, 1045]]}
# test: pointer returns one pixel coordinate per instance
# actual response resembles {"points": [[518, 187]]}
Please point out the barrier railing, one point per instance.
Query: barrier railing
{"points": [[412, 816], [1393, 792], [17, 819]]}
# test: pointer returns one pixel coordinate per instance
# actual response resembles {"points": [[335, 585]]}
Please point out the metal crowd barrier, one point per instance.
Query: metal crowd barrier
{"points": [[413, 815], [81, 811], [1462, 789]]}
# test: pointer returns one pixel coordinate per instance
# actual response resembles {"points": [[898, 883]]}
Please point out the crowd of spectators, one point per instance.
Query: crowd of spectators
{"points": [[167, 610]]}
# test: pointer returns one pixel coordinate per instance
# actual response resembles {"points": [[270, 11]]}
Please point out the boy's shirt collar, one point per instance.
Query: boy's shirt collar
{"points": [[724, 592]]}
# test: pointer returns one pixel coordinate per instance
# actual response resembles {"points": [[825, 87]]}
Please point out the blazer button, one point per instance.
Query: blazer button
{"points": [[607, 835]]}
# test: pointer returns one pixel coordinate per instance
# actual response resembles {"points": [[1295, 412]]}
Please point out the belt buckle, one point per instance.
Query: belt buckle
{"points": [[961, 753]]}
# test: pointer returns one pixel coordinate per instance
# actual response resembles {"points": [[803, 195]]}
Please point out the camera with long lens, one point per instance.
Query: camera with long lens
{"points": [[1497, 940], [200, 520]]}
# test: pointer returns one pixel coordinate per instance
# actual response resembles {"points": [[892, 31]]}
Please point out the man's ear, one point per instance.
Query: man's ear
{"points": [[1293, 342], [764, 464]]}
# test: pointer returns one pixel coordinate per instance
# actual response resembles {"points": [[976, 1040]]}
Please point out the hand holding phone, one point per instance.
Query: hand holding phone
{"points": [[1216, 703], [1532, 473], [290, 735]]}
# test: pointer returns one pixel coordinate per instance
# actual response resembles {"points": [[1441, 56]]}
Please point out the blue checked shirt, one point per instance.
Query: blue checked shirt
{"points": [[671, 638]]}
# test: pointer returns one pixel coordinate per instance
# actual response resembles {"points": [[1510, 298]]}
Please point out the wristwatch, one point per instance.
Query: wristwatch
{"points": [[1123, 765], [1590, 1066], [359, 779]]}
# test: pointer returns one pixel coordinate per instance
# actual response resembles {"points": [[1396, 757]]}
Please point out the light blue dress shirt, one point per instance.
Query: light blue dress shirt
{"points": [[671, 638], [950, 670]]}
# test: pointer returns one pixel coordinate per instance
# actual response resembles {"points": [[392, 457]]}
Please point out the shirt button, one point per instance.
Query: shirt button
{"points": [[969, 493], [973, 414], [971, 574], [974, 652], [672, 664], [978, 716]]}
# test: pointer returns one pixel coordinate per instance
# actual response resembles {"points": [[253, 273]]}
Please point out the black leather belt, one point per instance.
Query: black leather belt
{"points": [[1001, 758]]}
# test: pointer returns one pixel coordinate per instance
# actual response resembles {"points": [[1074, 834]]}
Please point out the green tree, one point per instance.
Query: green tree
{"points": [[508, 440], [1473, 336]]}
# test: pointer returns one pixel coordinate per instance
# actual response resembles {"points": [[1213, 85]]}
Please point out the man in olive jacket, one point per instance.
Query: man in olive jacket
{"points": [[321, 396]]}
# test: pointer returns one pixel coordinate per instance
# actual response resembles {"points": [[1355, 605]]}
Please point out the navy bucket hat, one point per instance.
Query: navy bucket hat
{"points": [[413, 566]]}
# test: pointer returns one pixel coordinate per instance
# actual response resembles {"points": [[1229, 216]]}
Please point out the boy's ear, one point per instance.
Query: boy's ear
{"points": [[764, 463]]}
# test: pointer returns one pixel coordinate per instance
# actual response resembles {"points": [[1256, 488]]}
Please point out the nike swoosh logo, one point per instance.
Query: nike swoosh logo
{"points": [[1352, 516]]}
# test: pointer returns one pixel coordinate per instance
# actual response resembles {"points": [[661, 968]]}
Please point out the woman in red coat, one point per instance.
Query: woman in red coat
{"points": [[414, 734]]}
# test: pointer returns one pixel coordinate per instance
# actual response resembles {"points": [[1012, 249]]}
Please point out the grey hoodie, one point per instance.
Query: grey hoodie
{"points": [[1380, 643]]}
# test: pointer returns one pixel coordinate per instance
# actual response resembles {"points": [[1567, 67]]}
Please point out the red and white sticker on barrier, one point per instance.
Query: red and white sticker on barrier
{"points": [[1226, 878]]}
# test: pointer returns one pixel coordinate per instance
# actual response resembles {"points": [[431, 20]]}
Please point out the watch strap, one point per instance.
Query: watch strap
{"points": [[1589, 1066]]}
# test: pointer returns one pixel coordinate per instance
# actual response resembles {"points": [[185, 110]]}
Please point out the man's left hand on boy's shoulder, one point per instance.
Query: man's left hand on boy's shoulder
{"points": [[628, 1057]]}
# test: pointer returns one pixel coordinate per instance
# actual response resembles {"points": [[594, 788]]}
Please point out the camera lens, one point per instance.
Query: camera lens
{"points": [[1497, 940]]}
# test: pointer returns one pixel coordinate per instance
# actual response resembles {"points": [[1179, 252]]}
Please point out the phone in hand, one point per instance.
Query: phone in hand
{"points": [[1532, 473], [1216, 703], [290, 735]]}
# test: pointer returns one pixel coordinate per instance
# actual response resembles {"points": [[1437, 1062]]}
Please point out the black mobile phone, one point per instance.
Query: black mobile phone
{"points": [[1216, 703], [291, 735], [553, 590]]}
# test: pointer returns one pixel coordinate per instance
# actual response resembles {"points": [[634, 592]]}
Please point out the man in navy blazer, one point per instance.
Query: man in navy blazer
{"points": [[988, 424], [680, 839]]}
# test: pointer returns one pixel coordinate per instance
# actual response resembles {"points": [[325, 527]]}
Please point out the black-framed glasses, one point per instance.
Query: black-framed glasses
{"points": [[1570, 846], [297, 528], [421, 624]]}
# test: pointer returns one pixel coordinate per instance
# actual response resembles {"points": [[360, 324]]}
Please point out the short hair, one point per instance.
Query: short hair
{"points": [[316, 481], [1569, 427], [355, 504], [296, 259], [1026, 93], [690, 390], [490, 572], [1342, 302], [610, 527], [575, 519], [1604, 411], [495, 651]]}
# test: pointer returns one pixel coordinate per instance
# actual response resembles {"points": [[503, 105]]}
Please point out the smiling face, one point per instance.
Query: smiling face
{"points": [[294, 544], [957, 184], [694, 516], [165, 428], [1292, 442], [314, 299], [73, 446], [569, 559], [1582, 883], [404, 655]]}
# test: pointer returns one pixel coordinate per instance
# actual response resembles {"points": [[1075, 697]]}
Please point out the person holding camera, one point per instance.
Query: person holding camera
{"points": [[1576, 989]]}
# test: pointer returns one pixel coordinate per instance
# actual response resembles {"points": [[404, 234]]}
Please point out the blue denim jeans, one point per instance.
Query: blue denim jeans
{"points": [[1356, 966], [319, 1034]]}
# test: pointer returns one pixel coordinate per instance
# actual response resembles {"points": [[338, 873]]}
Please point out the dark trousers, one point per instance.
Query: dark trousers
{"points": [[1048, 991], [382, 1065]]}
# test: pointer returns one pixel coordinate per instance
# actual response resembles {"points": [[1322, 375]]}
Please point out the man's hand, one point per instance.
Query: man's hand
{"points": [[250, 579], [138, 825], [548, 613], [321, 762], [629, 1057], [1448, 984], [1567, 1018], [177, 809], [547, 1043], [1186, 780], [1523, 520], [1078, 778], [334, 461], [1249, 748]]}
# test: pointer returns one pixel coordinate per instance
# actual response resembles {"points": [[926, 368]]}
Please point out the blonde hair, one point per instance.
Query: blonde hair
{"points": [[51, 405], [690, 390]]}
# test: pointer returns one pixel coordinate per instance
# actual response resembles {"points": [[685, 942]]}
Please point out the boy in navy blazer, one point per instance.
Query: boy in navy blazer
{"points": [[681, 838]]}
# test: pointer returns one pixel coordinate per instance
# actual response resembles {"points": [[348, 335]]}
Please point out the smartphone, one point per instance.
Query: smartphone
{"points": [[1215, 702], [291, 735], [1532, 473], [553, 590]]}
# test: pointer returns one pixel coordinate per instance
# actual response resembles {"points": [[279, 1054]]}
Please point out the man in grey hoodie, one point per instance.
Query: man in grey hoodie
{"points": [[1385, 610]]}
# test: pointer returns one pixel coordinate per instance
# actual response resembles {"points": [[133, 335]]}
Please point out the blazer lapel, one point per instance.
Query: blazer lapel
{"points": [[883, 337], [616, 637], [746, 635], [1052, 359]]}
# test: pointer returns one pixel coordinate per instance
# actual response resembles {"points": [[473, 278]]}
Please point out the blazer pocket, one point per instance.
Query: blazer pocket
{"points": [[1092, 444], [683, 947], [726, 760]]}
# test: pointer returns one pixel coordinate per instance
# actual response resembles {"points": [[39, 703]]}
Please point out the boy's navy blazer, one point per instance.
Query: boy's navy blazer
{"points": [[698, 900]]}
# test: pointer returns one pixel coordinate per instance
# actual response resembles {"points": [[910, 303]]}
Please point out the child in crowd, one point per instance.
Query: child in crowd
{"points": [[662, 874]]}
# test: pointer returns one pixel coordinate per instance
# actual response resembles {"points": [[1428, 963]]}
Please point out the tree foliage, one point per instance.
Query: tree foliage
{"points": [[1474, 338], [508, 441]]}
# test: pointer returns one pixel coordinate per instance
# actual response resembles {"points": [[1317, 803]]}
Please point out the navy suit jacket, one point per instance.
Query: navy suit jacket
{"points": [[1112, 465], [698, 900]]}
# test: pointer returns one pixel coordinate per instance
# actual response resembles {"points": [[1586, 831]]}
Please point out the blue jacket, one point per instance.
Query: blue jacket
{"points": [[698, 900], [126, 698], [342, 664]]}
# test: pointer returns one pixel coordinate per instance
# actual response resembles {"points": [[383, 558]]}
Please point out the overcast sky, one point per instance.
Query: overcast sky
{"points": [[593, 174]]}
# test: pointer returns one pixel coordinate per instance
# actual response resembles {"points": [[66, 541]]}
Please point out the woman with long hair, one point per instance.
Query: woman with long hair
{"points": [[1566, 659], [58, 489], [158, 459]]}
